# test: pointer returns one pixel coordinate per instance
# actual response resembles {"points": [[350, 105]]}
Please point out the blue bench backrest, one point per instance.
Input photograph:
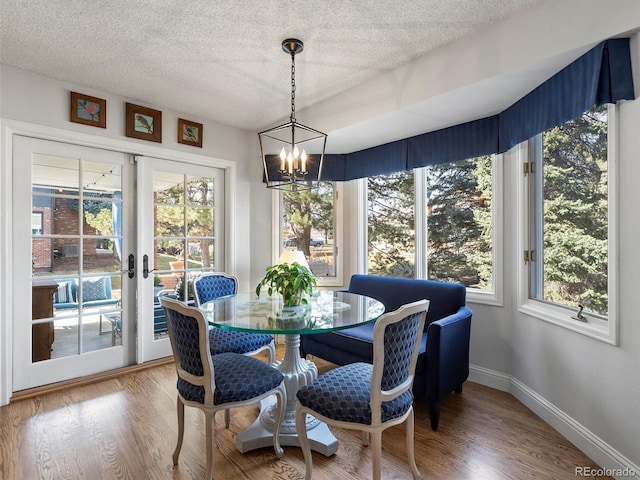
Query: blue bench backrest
{"points": [[393, 292]]}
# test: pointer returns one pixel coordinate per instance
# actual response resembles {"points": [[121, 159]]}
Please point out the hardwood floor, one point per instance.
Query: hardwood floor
{"points": [[124, 427]]}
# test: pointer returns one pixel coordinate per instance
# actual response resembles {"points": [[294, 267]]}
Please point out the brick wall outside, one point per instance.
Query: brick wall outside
{"points": [[52, 255]]}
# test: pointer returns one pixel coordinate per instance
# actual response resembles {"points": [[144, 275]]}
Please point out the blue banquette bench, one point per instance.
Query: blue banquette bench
{"points": [[443, 361]]}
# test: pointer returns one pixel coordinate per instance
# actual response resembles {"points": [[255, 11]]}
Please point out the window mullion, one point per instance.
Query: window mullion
{"points": [[420, 175]]}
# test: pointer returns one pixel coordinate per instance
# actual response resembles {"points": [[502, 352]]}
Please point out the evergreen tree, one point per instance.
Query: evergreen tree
{"points": [[459, 223], [391, 224], [576, 212]]}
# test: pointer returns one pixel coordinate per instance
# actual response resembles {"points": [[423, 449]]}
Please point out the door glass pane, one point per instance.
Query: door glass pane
{"points": [[76, 255], [55, 173], [200, 222], [184, 236]]}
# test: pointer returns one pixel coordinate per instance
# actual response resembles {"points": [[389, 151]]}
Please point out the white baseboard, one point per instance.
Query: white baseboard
{"points": [[590, 444], [490, 378]]}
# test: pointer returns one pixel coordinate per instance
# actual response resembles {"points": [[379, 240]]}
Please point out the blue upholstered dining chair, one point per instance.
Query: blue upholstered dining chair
{"points": [[210, 286], [367, 397], [216, 382]]}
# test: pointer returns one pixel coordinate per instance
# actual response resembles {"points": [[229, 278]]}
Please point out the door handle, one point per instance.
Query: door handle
{"points": [[131, 270], [145, 266]]}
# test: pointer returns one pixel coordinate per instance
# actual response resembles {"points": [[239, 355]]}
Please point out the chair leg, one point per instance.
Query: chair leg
{"points": [[376, 453], [301, 429], [410, 445], [434, 415], [208, 428], [459, 389], [365, 438], [176, 452], [227, 418], [272, 352], [281, 398]]}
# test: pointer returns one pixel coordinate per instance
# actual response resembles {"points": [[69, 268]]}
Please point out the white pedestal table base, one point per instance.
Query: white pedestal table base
{"points": [[297, 372]]}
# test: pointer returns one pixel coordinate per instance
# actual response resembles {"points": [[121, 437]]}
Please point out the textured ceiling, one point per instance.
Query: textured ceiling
{"points": [[222, 60]]}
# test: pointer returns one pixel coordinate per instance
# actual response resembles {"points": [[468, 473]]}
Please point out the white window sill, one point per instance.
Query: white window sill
{"points": [[594, 327], [484, 297]]}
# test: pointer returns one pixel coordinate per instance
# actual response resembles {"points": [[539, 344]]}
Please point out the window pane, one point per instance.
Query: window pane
{"points": [[391, 226], [574, 211], [459, 222], [308, 224]]}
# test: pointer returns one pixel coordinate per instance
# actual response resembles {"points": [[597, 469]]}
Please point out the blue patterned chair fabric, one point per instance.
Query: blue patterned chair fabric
{"points": [[443, 360], [370, 397], [210, 286], [344, 394]]}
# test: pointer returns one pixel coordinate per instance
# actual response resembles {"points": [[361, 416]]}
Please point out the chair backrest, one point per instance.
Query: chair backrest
{"points": [[396, 343], [188, 331], [210, 286]]}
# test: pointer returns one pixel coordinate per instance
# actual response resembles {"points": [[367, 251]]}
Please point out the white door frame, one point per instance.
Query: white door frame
{"points": [[9, 128]]}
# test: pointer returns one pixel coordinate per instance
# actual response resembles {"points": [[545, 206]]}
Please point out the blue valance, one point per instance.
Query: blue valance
{"points": [[602, 75], [466, 140], [380, 160]]}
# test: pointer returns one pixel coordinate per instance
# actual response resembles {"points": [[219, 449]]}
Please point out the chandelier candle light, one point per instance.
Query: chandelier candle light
{"points": [[292, 154]]}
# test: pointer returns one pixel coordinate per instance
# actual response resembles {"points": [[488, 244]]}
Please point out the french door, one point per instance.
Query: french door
{"points": [[97, 235], [180, 221]]}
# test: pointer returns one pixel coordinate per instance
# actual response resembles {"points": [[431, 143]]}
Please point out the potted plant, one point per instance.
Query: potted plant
{"points": [[292, 281]]}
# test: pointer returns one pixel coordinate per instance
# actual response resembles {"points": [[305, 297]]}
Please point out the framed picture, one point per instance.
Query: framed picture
{"points": [[143, 123], [88, 110], [189, 133]]}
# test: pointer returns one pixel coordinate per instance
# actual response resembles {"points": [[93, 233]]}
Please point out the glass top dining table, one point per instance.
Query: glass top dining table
{"points": [[326, 311]]}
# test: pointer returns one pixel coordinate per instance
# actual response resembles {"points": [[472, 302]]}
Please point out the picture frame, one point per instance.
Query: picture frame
{"points": [[87, 110], [143, 123], [189, 133]]}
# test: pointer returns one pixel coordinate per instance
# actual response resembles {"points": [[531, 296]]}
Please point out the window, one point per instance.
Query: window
{"points": [[460, 222], [570, 218], [36, 223], [447, 234], [391, 225], [308, 223]]}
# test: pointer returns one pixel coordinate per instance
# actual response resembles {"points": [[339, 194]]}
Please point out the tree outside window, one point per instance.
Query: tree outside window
{"points": [[569, 224], [308, 224], [458, 203]]}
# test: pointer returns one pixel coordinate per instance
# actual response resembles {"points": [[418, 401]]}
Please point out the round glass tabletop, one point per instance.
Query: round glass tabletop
{"points": [[326, 311]]}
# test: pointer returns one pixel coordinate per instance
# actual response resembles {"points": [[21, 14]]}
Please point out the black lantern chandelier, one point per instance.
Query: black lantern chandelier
{"points": [[292, 154]]}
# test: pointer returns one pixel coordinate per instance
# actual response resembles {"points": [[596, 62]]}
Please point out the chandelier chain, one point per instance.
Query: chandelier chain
{"points": [[293, 87]]}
